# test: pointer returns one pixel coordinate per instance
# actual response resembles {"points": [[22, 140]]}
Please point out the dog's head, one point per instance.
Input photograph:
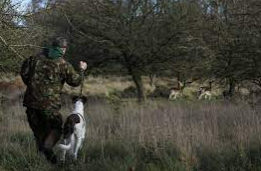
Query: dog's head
{"points": [[69, 125], [77, 98]]}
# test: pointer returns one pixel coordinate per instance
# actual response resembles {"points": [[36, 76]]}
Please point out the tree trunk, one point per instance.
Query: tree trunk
{"points": [[152, 79], [136, 77], [139, 85], [232, 85]]}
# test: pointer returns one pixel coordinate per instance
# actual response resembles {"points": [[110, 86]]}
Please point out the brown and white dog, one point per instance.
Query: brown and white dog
{"points": [[74, 131]]}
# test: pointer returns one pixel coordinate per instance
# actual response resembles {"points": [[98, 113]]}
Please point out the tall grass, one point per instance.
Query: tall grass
{"points": [[156, 136]]}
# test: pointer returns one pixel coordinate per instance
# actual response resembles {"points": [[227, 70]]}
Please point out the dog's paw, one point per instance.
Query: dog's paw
{"points": [[74, 158]]}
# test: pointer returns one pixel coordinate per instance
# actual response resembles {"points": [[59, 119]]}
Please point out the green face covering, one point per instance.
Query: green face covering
{"points": [[55, 52]]}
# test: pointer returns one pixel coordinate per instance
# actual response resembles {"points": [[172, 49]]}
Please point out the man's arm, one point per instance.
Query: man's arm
{"points": [[74, 78], [25, 70]]}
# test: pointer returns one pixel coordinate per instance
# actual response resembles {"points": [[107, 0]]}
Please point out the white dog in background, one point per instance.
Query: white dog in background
{"points": [[74, 130]]}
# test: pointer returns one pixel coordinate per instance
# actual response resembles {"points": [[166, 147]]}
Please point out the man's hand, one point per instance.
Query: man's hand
{"points": [[83, 65]]}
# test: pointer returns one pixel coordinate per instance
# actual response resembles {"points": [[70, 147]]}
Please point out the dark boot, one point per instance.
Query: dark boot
{"points": [[49, 142], [50, 156]]}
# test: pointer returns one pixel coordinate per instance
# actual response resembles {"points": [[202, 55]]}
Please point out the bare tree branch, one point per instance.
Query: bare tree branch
{"points": [[11, 48]]}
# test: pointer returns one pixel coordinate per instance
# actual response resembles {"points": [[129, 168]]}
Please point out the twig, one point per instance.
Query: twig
{"points": [[11, 48], [26, 45], [81, 32]]}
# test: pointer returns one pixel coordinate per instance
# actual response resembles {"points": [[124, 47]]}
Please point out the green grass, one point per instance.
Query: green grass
{"points": [[158, 135], [18, 152]]}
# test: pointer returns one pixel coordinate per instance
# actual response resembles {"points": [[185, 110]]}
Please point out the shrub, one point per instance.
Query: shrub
{"points": [[130, 92], [161, 91]]}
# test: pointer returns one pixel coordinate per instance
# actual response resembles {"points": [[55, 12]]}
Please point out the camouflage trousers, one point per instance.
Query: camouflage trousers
{"points": [[47, 129]]}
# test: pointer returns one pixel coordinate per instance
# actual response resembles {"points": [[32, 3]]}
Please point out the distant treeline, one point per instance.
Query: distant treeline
{"points": [[187, 39]]}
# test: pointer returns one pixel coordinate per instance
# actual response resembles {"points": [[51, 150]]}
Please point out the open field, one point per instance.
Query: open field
{"points": [[112, 87], [159, 135], [171, 85], [156, 136], [124, 86]]}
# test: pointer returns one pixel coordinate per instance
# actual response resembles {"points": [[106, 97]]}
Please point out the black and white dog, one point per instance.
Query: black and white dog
{"points": [[74, 130]]}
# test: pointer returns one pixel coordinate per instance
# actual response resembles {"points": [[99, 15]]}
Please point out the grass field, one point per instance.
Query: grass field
{"points": [[158, 135]]}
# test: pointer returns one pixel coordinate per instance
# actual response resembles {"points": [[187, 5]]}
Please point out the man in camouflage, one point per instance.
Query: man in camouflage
{"points": [[44, 76]]}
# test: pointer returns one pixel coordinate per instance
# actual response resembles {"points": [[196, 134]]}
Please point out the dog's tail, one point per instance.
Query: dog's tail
{"points": [[64, 147]]}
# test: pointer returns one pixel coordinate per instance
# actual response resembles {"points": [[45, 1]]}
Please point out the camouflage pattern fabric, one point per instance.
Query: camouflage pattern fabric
{"points": [[45, 78], [47, 130], [41, 124]]}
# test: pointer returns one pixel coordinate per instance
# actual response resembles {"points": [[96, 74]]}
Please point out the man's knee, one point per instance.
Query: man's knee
{"points": [[52, 138], [48, 145]]}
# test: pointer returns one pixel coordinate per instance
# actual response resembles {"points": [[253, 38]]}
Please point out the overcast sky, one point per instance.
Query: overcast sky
{"points": [[24, 3]]}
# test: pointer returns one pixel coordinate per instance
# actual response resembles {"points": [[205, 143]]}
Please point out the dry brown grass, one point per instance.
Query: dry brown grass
{"points": [[185, 124], [99, 86], [12, 119], [104, 86], [189, 126]]}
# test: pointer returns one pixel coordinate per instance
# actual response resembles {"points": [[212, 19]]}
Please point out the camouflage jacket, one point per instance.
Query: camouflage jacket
{"points": [[44, 79]]}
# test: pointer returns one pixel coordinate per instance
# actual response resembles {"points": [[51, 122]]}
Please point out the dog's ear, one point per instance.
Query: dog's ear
{"points": [[69, 125], [74, 98], [68, 128], [84, 99], [75, 118]]}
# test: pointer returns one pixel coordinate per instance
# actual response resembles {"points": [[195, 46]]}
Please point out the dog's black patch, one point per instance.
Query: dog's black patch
{"points": [[76, 98], [69, 125]]}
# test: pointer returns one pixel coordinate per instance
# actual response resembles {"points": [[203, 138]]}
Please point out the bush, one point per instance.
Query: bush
{"points": [[161, 91], [114, 94], [130, 92]]}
